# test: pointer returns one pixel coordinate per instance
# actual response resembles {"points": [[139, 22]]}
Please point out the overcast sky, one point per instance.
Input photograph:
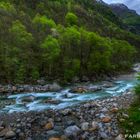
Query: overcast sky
{"points": [[132, 4]]}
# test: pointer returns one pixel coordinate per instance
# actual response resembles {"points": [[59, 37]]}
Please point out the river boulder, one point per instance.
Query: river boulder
{"points": [[28, 99], [78, 90], [55, 87]]}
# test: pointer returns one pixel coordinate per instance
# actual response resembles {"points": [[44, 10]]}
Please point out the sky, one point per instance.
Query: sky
{"points": [[132, 4]]}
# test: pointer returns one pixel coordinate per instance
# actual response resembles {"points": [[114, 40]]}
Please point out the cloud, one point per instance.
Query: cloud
{"points": [[132, 4]]}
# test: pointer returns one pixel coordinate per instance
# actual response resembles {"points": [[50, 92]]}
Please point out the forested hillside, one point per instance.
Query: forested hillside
{"points": [[129, 17], [62, 39]]}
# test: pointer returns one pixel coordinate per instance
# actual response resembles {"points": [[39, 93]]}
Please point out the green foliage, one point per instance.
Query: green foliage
{"points": [[61, 40], [51, 52], [21, 74], [70, 37], [43, 21], [137, 88], [20, 35], [132, 124], [122, 54], [7, 7], [51, 48], [100, 57], [35, 74], [71, 69], [71, 19]]}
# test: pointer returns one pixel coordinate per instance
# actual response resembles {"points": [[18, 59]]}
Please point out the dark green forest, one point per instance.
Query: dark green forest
{"points": [[59, 39]]}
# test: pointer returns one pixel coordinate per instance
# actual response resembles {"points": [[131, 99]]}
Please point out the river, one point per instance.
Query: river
{"points": [[59, 100]]}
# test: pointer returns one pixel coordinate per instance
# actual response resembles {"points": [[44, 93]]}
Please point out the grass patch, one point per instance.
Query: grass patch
{"points": [[131, 126]]}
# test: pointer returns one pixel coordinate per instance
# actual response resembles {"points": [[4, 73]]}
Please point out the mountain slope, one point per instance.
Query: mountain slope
{"points": [[129, 17], [62, 40]]}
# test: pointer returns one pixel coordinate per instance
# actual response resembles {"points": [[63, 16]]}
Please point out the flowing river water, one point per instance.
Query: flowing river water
{"points": [[63, 99]]}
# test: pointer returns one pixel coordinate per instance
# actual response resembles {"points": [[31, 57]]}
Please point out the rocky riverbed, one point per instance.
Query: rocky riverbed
{"points": [[92, 120]]}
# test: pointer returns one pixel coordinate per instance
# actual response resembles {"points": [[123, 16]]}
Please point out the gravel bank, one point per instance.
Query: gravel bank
{"points": [[94, 120]]}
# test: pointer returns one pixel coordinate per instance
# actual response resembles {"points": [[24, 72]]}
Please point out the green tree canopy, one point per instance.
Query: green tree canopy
{"points": [[43, 21], [20, 35], [51, 48], [7, 7], [71, 19]]}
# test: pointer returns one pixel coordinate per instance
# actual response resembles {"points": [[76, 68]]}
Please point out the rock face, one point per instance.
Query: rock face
{"points": [[121, 9], [128, 16]]}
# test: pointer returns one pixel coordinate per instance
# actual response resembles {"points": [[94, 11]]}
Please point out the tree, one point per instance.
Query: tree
{"points": [[7, 7], [70, 39], [21, 74], [20, 35], [71, 68], [51, 51], [99, 61], [21, 50], [43, 21], [71, 19], [122, 54]]}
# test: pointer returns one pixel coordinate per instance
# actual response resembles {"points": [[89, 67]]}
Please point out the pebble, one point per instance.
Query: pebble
{"points": [[114, 110], [1, 128], [94, 125], [121, 120], [54, 138], [125, 116], [85, 126], [106, 119], [120, 137], [72, 130], [49, 126], [10, 134], [103, 135]]}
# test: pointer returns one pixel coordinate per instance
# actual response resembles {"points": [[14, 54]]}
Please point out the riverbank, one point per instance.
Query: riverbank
{"points": [[88, 121], [44, 86]]}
